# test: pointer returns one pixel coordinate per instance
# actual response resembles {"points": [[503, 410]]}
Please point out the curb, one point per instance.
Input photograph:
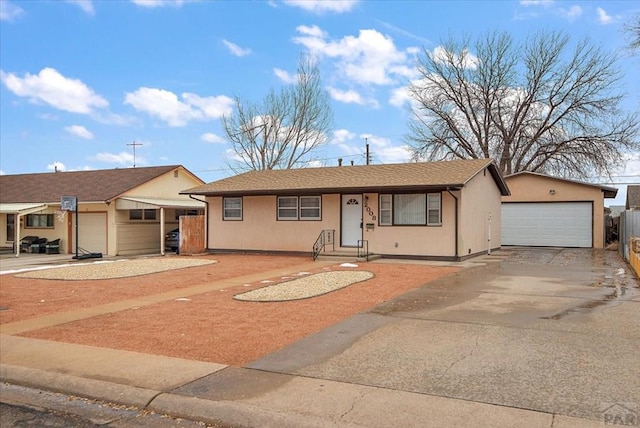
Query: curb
{"points": [[174, 405], [73, 385]]}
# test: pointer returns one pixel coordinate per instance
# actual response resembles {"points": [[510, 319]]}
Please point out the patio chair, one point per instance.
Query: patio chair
{"points": [[38, 245], [25, 243], [52, 247]]}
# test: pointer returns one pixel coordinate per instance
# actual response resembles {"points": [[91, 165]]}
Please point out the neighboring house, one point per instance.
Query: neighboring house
{"points": [[547, 211], [120, 211], [633, 197], [436, 210]]}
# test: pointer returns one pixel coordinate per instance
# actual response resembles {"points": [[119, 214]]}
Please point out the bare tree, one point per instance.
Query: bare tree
{"points": [[283, 130], [541, 106], [633, 30]]}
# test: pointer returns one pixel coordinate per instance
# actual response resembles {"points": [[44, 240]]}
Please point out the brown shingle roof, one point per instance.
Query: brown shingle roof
{"points": [[357, 178], [633, 197], [96, 185]]}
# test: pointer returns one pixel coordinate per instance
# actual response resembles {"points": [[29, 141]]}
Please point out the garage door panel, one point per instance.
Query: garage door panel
{"points": [[557, 224], [92, 231]]}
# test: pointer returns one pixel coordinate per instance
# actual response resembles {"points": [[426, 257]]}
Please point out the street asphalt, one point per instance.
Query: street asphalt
{"points": [[526, 337]]}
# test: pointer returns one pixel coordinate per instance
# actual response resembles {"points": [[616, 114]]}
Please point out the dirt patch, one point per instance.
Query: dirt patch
{"points": [[211, 326]]}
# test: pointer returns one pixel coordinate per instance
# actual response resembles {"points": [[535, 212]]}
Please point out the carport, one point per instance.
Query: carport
{"points": [[130, 203], [19, 210]]}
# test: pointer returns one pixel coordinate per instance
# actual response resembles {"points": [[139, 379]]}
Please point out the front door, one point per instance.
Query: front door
{"points": [[351, 227]]}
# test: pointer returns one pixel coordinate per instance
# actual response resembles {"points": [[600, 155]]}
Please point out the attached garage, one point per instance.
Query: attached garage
{"points": [[550, 224], [545, 211], [92, 231]]}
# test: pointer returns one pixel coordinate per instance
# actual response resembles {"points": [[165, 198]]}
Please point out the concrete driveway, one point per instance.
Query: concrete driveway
{"points": [[549, 330]]}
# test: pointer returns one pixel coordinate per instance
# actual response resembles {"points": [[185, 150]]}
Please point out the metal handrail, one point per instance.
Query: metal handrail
{"points": [[325, 238], [363, 249]]}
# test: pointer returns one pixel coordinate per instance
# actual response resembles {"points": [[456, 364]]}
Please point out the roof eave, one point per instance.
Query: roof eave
{"points": [[324, 190]]}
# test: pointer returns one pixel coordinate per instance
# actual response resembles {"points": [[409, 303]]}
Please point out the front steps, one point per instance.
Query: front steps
{"points": [[346, 256]]}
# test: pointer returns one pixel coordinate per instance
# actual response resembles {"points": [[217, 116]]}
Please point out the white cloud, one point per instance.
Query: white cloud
{"points": [[2, 172], [322, 6], [603, 17], [544, 3], [347, 97], [441, 55], [342, 136], [369, 58], [85, 5], [56, 166], [79, 131], [158, 3], [285, 76], [166, 106], [235, 49], [212, 138], [313, 31], [400, 96], [122, 158], [9, 11], [382, 150], [51, 87], [572, 13]]}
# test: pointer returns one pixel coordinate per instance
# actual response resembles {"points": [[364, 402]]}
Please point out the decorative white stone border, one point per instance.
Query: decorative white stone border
{"points": [[306, 287]]}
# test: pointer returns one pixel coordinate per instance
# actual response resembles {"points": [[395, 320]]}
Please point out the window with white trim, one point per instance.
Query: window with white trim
{"points": [[287, 207], [410, 209], [299, 208], [309, 207], [385, 210], [434, 210], [232, 208]]}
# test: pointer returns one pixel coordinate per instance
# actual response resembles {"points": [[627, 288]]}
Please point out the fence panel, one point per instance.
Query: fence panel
{"points": [[629, 228], [192, 234]]}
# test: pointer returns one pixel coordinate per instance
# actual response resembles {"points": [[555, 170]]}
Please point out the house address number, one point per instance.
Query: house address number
{"points": [[368, 209]]}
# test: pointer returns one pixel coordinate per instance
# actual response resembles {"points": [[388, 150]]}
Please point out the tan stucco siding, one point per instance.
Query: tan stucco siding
{"points": [[260, 230], [168, 185], [480, 215], [532, 188], [138, 238], [433, 241]]}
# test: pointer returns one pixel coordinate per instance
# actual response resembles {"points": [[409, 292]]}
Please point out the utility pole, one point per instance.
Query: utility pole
{"points": [[134, 144], [367, 154]]}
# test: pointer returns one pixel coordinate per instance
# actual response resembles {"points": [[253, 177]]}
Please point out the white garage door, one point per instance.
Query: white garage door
{"points": [[554, 224], [92, 232]]}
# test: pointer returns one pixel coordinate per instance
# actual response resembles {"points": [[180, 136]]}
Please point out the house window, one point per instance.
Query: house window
{"points": [[232, 208], [410, 209], [179, 213], [146, 214], [434, 209], [11, 227], [309, 207], [287, 207], [299, 208], [39, 220], [385, 210]]}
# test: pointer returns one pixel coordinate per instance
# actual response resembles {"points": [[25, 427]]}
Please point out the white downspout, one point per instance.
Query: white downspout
{"points": [[162, 231]]}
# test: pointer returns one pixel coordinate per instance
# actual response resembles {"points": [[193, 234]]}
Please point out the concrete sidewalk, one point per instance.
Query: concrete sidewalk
{"points": [[242, 397], [367, 369]]}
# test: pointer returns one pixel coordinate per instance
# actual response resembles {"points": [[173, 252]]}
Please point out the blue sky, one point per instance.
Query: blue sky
{"points": [[81, 80]]}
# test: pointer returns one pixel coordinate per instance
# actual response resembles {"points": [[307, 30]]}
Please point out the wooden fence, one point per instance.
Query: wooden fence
{"points": [[634, 255], [192, 239]]}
